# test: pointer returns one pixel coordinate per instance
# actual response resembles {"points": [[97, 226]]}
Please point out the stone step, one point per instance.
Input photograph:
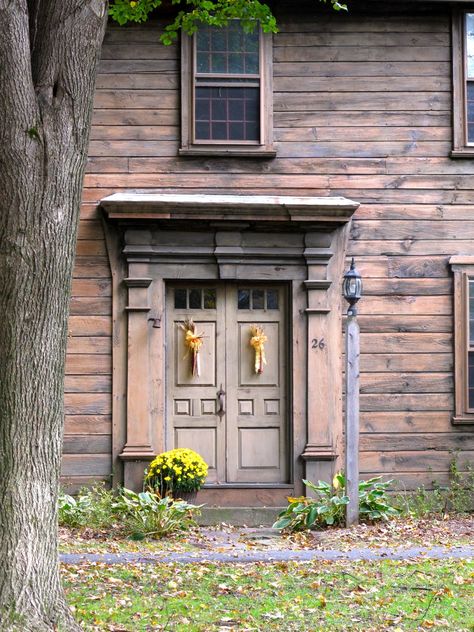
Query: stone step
{"points": [[239, 516]]}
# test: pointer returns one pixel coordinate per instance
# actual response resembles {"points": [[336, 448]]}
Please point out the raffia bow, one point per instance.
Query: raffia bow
{"points": [[193, 341], [257, 341]]}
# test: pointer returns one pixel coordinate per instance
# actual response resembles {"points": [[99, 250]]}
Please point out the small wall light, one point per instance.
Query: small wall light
{"points": [[352, 288]]}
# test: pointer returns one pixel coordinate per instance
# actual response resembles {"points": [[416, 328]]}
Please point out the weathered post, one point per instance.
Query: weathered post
{"points": [[352, 287]]}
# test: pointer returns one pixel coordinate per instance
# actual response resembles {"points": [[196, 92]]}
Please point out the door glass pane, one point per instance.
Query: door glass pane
{"points": [[209, 299], [195, 299], [180, 298], [243, 299], [258, 299], [272, 299]]}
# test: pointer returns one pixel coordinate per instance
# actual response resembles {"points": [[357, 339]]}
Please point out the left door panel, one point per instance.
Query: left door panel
{"points": [[192, 400]]}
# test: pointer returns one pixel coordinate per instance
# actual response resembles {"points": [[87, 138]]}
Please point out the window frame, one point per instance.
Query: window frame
{"points": [[245, 148], [461, 147], [463, 270]]}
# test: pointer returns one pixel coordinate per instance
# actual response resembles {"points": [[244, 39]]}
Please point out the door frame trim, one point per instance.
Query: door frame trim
{"points": [[223, 246]]}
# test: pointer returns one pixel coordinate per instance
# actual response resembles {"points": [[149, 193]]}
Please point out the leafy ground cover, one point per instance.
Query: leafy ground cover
{"points": [[368, 596]]}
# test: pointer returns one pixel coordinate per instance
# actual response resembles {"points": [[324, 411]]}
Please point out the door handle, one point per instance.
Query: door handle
{"points": [[220, 401]]}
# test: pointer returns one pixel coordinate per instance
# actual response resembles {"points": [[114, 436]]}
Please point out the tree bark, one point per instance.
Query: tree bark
{"points": [[49, 51]]}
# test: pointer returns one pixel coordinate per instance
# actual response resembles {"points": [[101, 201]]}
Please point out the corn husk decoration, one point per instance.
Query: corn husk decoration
{"points": [[257, 341], [193, 341]]}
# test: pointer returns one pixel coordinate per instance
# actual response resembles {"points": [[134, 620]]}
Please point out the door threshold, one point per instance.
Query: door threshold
{"points": [[249, 486]]}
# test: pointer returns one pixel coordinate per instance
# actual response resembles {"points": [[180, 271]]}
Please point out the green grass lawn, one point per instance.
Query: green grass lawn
{"points": [[310, 596]]}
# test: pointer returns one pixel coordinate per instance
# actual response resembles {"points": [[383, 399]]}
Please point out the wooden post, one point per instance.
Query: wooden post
{"points": [[352, 418]]}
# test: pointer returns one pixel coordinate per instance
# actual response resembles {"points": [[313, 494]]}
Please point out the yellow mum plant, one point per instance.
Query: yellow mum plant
{"points": [[176, 471]]}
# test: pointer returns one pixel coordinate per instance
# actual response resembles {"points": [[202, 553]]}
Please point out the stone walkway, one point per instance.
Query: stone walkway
{"points": [[286, 555]]}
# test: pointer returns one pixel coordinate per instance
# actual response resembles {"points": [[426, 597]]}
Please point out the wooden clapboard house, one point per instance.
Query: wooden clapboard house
{"points": [[230, 179]]}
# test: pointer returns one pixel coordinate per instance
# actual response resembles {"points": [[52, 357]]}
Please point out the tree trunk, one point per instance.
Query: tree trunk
{"points": [[49, 51]]}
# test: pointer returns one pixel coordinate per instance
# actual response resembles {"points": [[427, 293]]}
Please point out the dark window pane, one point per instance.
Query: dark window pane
{"points": [[236, 110], [252, 131], [470, 111], [219, 131], [219, 110], [471, 381], [258, 299], [272, 299], [219, 62], [210, 299], [194, 299], [203, 112], [243, 299], [251, 64], [236, 63], [239, 105], [203, 131], [179, 299], [236, 131]]}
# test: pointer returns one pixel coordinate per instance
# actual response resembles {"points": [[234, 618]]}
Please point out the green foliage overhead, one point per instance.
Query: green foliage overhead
{"points": [[212, 12]]}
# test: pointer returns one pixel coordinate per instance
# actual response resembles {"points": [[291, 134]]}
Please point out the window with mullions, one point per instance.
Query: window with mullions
{"points": [[226, 91], [463, 84], [463, 269]]}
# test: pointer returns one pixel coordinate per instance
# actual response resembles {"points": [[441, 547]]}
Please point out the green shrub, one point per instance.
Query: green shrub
{"points": [[456, 497], [92, 507], [328, 508], [148, 515]]}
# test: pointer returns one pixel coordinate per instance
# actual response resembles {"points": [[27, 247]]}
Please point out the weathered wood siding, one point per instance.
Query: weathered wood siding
{"points": [[362, 108]]}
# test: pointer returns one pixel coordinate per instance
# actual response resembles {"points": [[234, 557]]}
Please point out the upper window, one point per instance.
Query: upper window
{"points": [[226, 99], [463, 269], [463, 84]]}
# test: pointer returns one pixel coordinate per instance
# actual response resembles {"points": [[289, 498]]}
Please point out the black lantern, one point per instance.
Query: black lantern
{"points": [[352, 288]]}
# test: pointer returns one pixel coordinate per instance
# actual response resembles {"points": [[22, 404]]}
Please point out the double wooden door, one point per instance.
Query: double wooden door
{"points": [[236, 418]]}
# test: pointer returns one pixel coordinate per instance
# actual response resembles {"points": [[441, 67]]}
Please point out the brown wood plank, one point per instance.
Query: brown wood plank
{"points": [[92, 287], [371, 119], [412, 229], [434, 305], [89, 364], [137, 81], [84, 305], [366, 134], [351, 84], [360, 53], [88, 345], [88, 384], [87, 444], [91, 465], [90, 248], [87, 404], [396, 361], [94, 268], [406, 343], [415, 461], [409, 324], [351, 22], [427, 248], [124, 117], [383, 41], [408, 402], [138, 65], [403, 422], [309, 101], [404, 287], [90, 211], [90, 326], [90, 229], [134, 132], [385, 383], [88, 424], [138, 51], [167, 99], [416, 441]]}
